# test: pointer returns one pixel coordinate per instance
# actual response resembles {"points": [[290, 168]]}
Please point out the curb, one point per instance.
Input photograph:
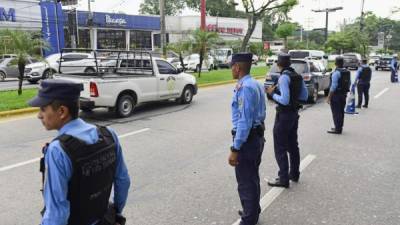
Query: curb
{"points": [[29, 110], [18, 112]]}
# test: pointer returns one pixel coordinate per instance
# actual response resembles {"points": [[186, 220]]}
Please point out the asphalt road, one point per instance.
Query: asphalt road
{"points": [[12, 84], [177, 159]]}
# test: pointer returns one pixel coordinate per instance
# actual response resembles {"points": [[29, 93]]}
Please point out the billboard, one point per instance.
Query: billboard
{"points": [[52, 27]]}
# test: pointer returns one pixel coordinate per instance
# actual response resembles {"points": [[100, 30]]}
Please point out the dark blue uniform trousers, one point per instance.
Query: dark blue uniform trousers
{"points": [[338, 104], [363, 89], [393, 76], [248, 178], [285, 141]]}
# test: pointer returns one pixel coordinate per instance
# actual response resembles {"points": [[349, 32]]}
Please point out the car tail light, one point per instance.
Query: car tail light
{"points": [[306, 76], [93, 90]]}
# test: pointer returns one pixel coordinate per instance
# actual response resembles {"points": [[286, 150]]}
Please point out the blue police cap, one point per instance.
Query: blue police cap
{"points": [[241, 57], [51, 90]]}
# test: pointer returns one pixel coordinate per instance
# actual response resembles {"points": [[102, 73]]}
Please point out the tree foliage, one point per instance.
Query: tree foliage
{"points": [[221, 8], [285, 30], [152, 7]]}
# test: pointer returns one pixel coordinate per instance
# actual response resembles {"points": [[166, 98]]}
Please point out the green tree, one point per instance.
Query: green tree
{"points": [[23, 45], [341, 42], [284, 31], [201, 41], [267, 8], [222, 8], [152, 7]]}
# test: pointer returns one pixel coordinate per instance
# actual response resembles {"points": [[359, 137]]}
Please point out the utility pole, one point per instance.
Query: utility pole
{"points": [[309, 21], [362, 28], [163, 32], [56, 2], [203, 15], [90, 24], [327, 11]]}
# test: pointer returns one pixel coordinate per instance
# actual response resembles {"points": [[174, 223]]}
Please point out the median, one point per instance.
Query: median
{"points": [[13, 104]]}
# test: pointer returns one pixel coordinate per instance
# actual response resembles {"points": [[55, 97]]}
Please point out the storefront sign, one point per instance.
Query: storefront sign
{"points": [[52, 27], [221, 29], [7, 15], [115, 21]]}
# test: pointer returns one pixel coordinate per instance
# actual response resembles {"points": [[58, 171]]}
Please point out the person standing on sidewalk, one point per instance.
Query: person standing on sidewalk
{"points": [[363, 80], [393, 69]]}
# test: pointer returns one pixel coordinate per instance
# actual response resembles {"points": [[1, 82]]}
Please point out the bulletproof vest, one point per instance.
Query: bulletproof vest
{"points": [[294, 89], [365, 76], [344, 81], [94, 167]]}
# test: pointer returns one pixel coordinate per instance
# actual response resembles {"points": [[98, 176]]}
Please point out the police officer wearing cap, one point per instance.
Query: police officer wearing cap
{"points": [[363, 80], [340, 85], [393, 69], [81, 165], [248, 115], [291, 91]]}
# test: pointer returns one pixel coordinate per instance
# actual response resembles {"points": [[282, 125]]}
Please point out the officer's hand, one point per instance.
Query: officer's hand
{"points": [[271, 89], [233, 159]]}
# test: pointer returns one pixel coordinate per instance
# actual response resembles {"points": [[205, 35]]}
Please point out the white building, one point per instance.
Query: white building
{"points": [[21, 15], [179, 27]]}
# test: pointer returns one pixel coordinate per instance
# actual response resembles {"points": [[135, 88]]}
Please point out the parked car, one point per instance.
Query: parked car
{"points": [[133, 80], [332, 58], [309, 54], [192, 62], [314, 73], [352, 60], [9, 67], [222, 56], [383, 63], [271, 60], [372, 61]]}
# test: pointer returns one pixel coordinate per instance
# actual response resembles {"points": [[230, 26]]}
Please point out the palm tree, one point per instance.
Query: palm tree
{"points": [[180, 48], [201, 41], [24, 45]]}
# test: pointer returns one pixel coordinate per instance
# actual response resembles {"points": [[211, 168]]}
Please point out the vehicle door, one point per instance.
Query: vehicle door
{"points": [[169, 81], [12, 68], [316, 73], [325, 78]]}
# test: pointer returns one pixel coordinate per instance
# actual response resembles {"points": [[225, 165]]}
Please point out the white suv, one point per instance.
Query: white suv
{"points": [[192, 62]]}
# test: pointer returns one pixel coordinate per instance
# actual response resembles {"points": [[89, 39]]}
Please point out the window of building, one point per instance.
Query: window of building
{"points": [[111, 39], [84, 39], [140, 40]]}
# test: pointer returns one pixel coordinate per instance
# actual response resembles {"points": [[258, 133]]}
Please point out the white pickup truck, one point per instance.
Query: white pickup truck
{"points": [[126, 78]]}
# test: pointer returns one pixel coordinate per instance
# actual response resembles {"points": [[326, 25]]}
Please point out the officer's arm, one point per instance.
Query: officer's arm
{"points": [[246, 117], [121, 179], [304, 93], [58, 174], [335, 81], [284, 98]]}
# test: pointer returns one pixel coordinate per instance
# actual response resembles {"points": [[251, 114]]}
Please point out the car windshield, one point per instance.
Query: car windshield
{"points": [[221, 52], [299, 54], [299, 67]]}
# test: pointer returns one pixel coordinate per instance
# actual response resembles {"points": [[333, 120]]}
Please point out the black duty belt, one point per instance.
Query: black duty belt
{"points": [[257, 130]]}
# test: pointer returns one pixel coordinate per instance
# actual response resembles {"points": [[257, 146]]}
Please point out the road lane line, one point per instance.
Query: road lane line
{"points": [[381, 93], [272, 194], [5, 168]]}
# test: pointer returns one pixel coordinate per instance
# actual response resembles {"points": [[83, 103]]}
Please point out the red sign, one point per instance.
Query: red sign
{"points": [[227, 30], [267, 45]]}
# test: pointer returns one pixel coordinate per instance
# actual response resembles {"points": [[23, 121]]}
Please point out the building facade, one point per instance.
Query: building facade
{"points": [[229, 29]]}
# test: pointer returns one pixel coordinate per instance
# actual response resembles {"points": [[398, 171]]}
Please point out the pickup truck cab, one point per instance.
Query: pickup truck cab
{"points": [[128, 78]]}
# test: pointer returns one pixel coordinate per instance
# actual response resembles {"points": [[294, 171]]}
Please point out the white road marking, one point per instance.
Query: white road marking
{"points": [[269, 197], [5, 168], [381, 93]]}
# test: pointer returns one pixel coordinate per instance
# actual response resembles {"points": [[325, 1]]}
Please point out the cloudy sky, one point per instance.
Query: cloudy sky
{"points": [[301, 14]]}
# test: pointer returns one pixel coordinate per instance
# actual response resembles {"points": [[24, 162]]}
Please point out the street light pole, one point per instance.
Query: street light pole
{"points": [[203, 15], [327, 11], [163, 30]]}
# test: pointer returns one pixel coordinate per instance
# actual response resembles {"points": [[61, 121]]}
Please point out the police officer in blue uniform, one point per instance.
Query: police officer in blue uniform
{"points": [[363, 81], [393, 69], [340, 85], [81, 165], [248, 115], [291, 90]]}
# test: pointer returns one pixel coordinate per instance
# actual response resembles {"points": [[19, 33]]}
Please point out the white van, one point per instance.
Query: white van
{"points": [[309, 54]]}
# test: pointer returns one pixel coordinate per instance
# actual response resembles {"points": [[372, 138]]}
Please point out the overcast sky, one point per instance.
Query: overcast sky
{"points": [[301, 13]]}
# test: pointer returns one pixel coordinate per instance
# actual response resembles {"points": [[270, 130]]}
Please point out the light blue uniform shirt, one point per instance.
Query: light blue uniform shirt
{"points": [[59, 172], [335, 80], [283, 86], [358, 73], [248, 108], [392, 66]]}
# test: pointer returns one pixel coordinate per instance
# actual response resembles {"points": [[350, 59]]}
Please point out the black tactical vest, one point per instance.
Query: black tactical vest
{"points": [[294, 89], [365, 76], [94, 169], [344, 82]]}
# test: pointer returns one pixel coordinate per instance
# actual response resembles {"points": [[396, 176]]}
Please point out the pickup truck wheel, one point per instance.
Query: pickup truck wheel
{"points": [[89, 70], [314, 94], [47, 74], [125, 105], [187, 95], [2, 76]]}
